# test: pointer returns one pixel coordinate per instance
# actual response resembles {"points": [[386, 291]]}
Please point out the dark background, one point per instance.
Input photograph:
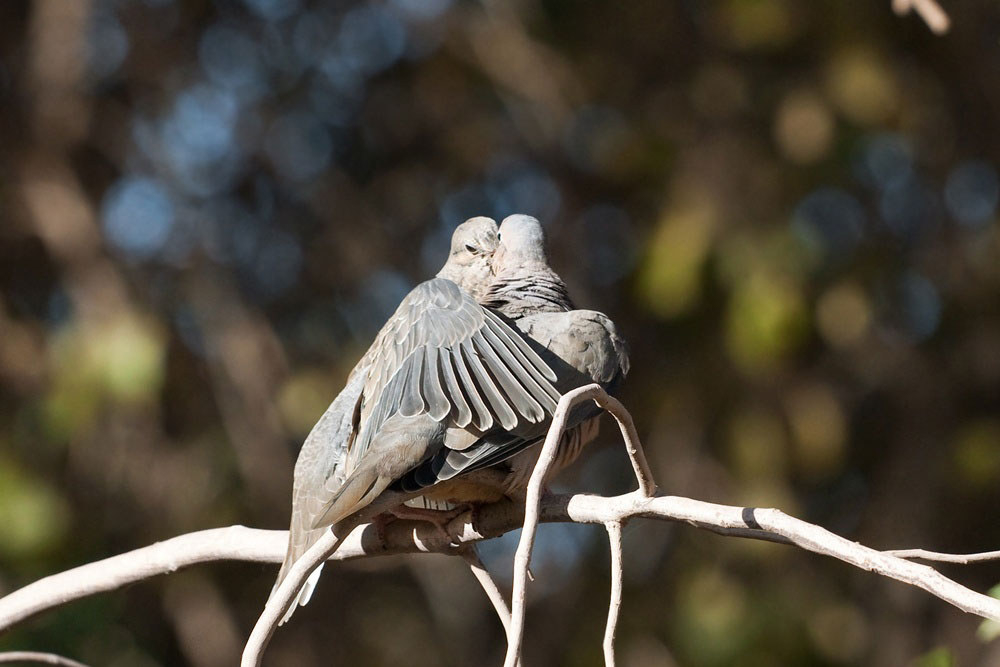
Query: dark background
{"points": [[207, 209]]}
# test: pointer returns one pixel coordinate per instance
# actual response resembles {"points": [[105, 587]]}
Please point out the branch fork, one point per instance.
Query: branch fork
{"points": [[363, 540]]}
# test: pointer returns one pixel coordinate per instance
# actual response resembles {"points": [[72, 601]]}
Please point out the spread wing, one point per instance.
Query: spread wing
{"points": [[443, 355], [581, 346]]}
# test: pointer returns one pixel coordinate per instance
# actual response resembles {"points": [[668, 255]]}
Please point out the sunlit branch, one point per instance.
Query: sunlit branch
{"points": [[246, 544], [493, 592], [929, 10], [38, 657], [959, 559], [522, 557], [617, 574]]}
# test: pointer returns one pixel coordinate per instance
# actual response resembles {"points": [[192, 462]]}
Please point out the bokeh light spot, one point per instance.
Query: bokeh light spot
{"points": [[862, 86], [757, 447], [910, 209], [303, 398], [231, 60], [976, 452], [200, 127], [762, 24], [840, 632], [972, 192], [884, 161], [670, 276], [273, 10], [107, 44], [372, 39], [137, 216], [843, 314], [820, 430], [912, 305], [35, 518], [421, 9], [765, 321], [803, 127]]}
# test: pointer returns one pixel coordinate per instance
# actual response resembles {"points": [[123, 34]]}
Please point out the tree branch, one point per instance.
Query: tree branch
{"points": [[959, 559], [617, 573], [522, 557], [39, 657], [929, 10], [238, 543], [471, 556], [358, 541]]}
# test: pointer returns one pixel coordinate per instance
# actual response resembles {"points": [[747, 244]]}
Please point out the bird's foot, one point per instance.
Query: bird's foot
{"points": [[438, 518]]}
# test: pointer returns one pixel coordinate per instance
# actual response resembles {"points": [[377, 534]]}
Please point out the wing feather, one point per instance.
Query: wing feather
{"points": [[412, 401], [484, 418], [443, 355], [528, 369], [463, 413], [512, 390], [498, 406], [438, 405]]}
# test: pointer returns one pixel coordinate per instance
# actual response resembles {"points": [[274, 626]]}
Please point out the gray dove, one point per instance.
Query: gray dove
{"points": [[454, 388], [529, 291], [321, 458], [582, 346]]}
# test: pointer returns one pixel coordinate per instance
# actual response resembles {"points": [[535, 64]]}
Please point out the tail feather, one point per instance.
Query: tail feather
{"points": [[300, 541], [303, 596], [358, 491]]}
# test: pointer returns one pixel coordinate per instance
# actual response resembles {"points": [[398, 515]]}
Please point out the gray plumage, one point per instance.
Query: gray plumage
{"points": [[582, 346], [450, 376], [449, 388], [529, 291], [320, 464]]}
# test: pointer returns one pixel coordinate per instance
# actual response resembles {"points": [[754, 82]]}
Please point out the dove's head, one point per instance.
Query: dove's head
{"points": [[522, 243], [472, 246]]}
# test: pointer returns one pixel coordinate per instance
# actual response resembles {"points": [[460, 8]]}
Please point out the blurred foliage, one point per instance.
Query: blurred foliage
{"points": [[990, 629], [791, 209]]}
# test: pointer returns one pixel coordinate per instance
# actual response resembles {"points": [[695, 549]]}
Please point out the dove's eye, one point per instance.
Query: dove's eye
{"points": [[470, 248]]}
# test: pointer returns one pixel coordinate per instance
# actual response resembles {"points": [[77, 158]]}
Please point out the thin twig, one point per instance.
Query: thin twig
{"points": [[471, 555], [930, 11], [633, 447], [614, 529], [283, 597], [40, 657], [960, 559], [522, 557]]}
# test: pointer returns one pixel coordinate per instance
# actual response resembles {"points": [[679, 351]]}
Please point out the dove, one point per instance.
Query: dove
{"points": [[321, 459], [581, 346], [454, 388], [527, 290]]}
